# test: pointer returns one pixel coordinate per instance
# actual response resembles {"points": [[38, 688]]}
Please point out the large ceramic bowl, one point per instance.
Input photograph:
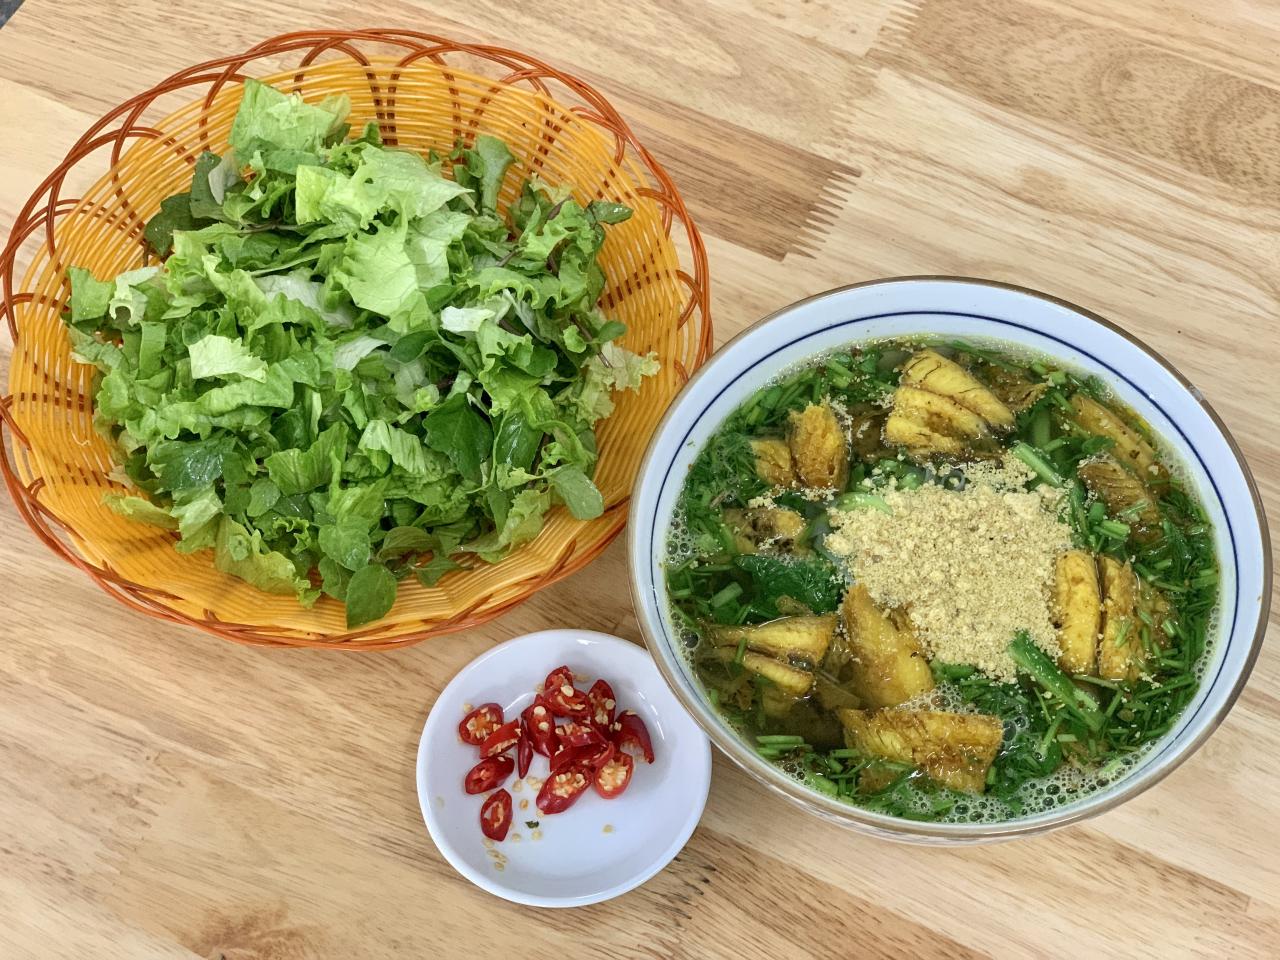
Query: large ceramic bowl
{"points": [[976, 311]]}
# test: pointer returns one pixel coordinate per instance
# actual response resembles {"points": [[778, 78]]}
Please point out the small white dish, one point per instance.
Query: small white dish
{"points": [[598, 848]]}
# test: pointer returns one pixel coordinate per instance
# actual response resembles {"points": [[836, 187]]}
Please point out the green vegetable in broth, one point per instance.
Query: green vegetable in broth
{"points": [[352, 367], [834, 514]]}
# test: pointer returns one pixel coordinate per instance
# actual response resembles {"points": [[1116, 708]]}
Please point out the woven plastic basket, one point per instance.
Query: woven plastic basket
{"points": [[424, 92]]}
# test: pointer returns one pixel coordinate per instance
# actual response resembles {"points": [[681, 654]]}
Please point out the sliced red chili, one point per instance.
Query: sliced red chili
{"points": [[566, 701], [564, 757], [501, 740], [578, 734], [557, 678], [541, 726], [487, 774], [561, 791], [524, 753], [495, 816], [613, 776], [479, 723], [602, 702], [593, 757], [629, 731]]}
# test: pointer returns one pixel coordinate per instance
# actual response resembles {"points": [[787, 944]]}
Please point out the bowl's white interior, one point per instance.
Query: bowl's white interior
{"points": [[976, 312]]}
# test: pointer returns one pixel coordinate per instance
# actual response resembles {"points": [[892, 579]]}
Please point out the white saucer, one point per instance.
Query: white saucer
{"points": [[598, 848]]}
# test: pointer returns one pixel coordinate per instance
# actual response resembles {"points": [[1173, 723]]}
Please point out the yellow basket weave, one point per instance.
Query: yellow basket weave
{"points": [[424, 92]]}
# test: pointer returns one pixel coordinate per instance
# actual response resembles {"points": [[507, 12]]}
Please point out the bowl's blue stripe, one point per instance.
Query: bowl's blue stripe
{"points": [[653, 531]]}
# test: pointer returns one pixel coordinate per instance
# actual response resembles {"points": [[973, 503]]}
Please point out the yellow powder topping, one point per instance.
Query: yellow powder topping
{"points": [[971, 567]]}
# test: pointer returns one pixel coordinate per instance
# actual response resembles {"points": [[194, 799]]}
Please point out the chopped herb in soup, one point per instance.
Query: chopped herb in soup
{"points": [[942, 582]]}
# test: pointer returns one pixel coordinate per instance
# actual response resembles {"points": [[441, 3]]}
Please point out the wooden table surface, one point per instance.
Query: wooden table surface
{"points": [[167, 795]]}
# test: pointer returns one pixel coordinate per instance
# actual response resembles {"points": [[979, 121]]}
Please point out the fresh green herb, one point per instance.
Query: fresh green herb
{"points": [[1037, 665], [812, 582], [345, 342]]}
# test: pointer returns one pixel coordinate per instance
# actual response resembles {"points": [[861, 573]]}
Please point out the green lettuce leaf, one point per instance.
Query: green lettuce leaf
{"points": [[295, 471], [578, 493], [89, 296], [614, 369], [275, 121], [141, 509], [377, 273], [484, 168], [370, 594], [523, 523], [243, 554], [430, 572], [352, 366], [460, 433], [221, 357]]}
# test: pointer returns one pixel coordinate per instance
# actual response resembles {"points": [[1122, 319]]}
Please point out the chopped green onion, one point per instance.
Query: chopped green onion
{"points": [[1098, 681], [1040, 429], [909, 481], [1113, 528], [780, 740], [1036, 663], [1028, 455], [859, 501], [1165, 687], [1049, 736], [823, 784], [731, 592], [1206, 578]]}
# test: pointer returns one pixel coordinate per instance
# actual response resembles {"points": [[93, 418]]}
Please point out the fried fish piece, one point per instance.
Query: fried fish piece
{"points": [[790, 681], [888, 664], [773, 462], [1120, 653], [834, 696], [806, 638], [900, 430], [1078, 605], [938, 413], [1122, 490], [1131, 448], [931, 371], [955, 749], [927, 423], [1014, 390], [818, 447], [759, 527]]}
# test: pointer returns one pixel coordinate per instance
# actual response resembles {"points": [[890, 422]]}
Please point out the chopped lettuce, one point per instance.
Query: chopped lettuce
{"points": [[352, 367]]}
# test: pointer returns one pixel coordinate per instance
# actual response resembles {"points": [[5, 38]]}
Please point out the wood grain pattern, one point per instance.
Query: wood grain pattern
{"points": [[164, 795]]}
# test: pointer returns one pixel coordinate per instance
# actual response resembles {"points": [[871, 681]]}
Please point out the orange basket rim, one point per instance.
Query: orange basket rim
{"points": [[45, 204]]}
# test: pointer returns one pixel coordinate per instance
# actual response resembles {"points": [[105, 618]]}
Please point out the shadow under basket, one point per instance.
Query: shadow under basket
{"points": [[424, 92]]}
